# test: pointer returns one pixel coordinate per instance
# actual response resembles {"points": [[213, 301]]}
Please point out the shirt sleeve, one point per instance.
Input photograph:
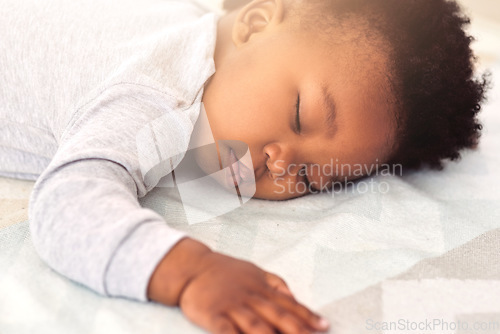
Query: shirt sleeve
{"points": [[85, 219]]}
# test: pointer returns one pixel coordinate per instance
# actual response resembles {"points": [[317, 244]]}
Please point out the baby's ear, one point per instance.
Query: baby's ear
{"points": [[255, 17]]}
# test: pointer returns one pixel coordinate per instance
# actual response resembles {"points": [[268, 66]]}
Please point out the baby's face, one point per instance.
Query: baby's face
{"points": [[303, 107]]}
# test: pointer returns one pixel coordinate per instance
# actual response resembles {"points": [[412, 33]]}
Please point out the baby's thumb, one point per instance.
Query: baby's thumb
{"points": [[278, 284]]}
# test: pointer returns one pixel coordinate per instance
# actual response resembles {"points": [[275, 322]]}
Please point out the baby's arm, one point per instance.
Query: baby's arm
{"points": [[85, 219], [87, 224]]}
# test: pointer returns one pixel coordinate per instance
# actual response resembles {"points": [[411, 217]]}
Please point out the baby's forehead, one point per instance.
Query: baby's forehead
{"points": [[358, 52]]}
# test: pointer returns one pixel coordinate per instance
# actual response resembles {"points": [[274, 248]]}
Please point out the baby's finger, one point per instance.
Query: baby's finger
{"points": [[313, 320], [250, 322], [278, 283], [222, 325], [277, 316]]}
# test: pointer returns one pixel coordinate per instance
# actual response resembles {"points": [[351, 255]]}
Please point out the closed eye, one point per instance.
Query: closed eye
{"points": [[297, 115]]}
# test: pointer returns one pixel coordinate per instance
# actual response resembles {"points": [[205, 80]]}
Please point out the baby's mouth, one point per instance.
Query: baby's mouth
{"points": [[241, 173], [237, 165]]}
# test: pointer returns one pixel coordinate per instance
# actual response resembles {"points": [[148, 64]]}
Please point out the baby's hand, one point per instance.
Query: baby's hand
{"points": [[226, 295], [232, 296]]}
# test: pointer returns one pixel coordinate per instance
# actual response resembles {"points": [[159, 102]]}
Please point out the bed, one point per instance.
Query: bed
{"points": [[418, 252]]}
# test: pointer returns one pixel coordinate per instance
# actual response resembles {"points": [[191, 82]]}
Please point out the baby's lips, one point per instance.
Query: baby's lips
{"points": [[245, 172], [242, 173], [230, 180], [235, 165]]}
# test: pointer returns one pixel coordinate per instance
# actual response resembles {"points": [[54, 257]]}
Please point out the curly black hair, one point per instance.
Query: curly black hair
{"points": [[433, 65]]}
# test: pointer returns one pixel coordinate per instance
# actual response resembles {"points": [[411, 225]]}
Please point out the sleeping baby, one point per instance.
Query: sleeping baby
{"points": [[101, 101]]}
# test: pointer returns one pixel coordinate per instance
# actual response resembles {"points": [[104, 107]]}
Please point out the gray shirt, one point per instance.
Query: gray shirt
{"points": [[94, 95]]}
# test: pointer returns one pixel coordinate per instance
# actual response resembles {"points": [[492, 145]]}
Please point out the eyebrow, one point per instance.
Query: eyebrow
{"points": [[331, 110]]}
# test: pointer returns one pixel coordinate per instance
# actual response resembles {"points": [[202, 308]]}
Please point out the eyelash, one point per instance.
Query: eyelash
{"points": [[297, 115], [298, 127]]}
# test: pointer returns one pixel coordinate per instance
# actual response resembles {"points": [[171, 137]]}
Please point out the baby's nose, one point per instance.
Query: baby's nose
{"points": [[279, 160]]}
